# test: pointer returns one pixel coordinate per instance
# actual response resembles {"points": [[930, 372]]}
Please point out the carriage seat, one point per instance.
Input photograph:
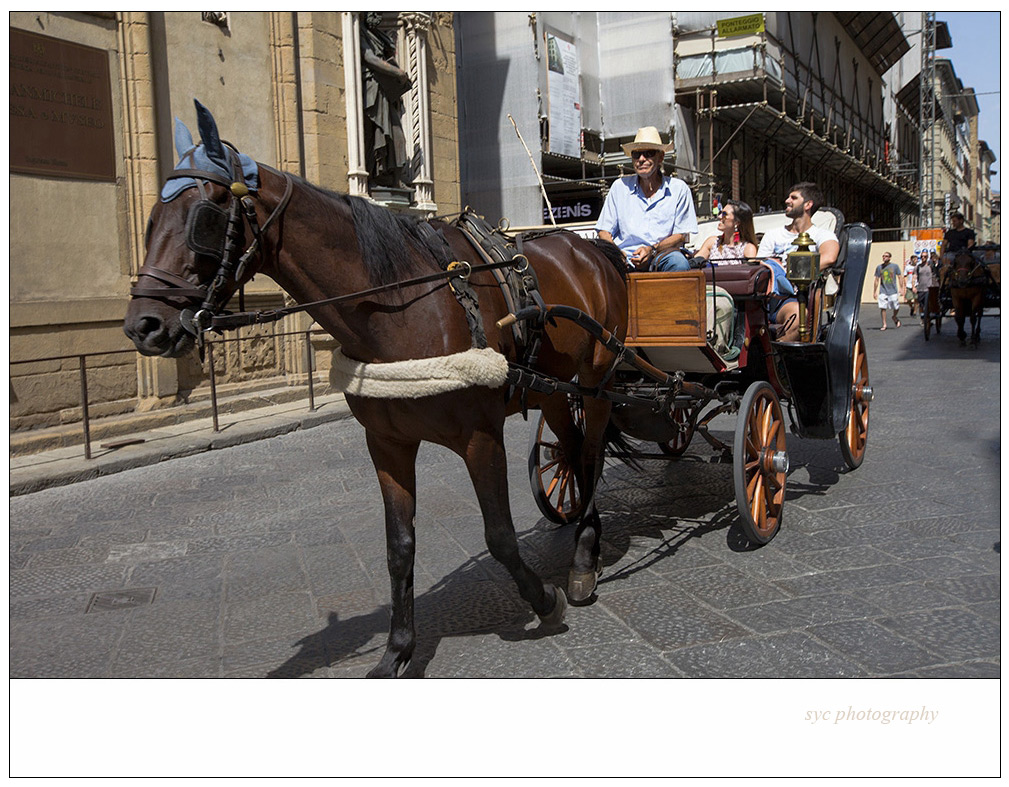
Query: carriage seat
{"points": [[740, 281]]}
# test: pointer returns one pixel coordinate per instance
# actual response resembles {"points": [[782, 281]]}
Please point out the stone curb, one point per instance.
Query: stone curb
{"points": [[69, 466]]}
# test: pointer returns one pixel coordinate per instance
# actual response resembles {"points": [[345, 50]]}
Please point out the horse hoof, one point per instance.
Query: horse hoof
{"points": [[582, 584], [556, 615]]}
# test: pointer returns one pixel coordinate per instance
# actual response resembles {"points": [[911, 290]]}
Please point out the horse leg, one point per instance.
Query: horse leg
{"points": [[586, 565], [975, 324], [487, 465], [395, 464], [960, 316]]}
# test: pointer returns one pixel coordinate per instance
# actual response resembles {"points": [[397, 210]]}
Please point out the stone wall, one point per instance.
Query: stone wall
{"points": [[276, 85]]}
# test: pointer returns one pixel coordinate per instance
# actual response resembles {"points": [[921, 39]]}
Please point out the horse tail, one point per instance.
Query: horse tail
{"points": [[613, 254], [619, 446]]}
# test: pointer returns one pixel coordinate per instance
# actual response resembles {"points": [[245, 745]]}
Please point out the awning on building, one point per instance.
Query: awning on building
{"points": [[909, 97], [878, 36]]}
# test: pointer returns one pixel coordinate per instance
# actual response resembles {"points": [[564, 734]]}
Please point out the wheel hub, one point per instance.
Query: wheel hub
{"points": [[774, 461]]}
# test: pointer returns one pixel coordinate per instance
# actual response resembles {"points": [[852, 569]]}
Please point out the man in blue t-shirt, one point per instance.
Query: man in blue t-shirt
{"points": [[649, 216]]}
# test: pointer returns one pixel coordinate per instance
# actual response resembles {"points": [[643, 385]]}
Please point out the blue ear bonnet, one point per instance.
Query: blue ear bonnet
{"points": [[197, 157]]}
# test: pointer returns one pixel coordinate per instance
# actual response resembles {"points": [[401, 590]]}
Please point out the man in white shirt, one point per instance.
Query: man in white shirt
{"points": [[803, 200], [648, 215]]}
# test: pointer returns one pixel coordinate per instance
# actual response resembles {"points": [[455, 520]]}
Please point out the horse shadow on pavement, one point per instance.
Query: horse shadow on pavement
{"points": [[476, 598], [649, 514]]}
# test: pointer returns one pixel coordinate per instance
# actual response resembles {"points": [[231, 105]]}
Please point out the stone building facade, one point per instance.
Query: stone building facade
{"points": [[285, 87]]}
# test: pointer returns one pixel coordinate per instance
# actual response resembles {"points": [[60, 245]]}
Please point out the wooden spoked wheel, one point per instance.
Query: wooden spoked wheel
{"points": [[854, 436], [684, 419], [760, 463], [555, 487]]}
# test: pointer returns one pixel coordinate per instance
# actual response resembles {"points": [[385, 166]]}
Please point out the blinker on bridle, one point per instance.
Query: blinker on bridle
{"points": [[214, 232]]}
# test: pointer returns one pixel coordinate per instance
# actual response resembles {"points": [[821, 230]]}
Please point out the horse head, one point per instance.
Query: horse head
{"points": [[193, 242], [964, 270]]}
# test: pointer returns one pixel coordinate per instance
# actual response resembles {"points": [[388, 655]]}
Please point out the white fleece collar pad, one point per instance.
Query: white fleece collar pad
{"points": [[422, 377]]}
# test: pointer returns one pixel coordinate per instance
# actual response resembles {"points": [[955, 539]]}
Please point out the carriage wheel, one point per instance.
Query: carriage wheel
{"points": [[555, 487], [684, 419], [854, 436], [927, 320], [760, 463]]}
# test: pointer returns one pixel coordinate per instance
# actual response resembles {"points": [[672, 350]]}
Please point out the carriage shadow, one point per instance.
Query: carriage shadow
{"points": [[946, 346], [666, 507]]}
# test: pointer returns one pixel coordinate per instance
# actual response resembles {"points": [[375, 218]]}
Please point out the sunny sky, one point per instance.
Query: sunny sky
{"points": [[977, 44]]}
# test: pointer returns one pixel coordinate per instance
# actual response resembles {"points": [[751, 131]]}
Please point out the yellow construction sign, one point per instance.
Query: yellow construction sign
{"points": [[741, 25]]}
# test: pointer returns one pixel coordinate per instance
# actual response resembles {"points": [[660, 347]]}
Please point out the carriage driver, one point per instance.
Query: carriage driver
{"points": [[803, 200], [648, 215]]}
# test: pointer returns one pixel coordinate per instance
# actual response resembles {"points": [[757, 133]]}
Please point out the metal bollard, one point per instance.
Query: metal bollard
{"points": [[213, 385], [85, 419], [311, 373]]}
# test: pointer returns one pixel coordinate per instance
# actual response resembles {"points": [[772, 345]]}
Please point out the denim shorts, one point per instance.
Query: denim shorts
{"points": [[774, 306]]}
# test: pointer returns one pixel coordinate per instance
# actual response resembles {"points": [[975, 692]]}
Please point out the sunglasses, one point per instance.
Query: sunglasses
{"points": [[645, 153], [723, 214]]}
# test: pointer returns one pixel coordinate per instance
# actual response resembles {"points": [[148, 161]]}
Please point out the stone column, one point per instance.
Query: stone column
{"points": [[285, 91], [157, 378], [414, 27], [357, 174]]}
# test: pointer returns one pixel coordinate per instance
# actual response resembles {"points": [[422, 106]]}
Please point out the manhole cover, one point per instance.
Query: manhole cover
{"points": [[121, 599]]}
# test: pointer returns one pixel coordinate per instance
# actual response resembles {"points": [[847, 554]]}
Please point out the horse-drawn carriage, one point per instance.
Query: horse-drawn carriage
{"points": [[440, 342], [677, 375], [968, 283]]}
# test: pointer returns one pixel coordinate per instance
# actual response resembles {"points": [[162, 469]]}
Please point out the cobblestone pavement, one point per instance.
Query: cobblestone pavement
{"points": [[268, 559]]}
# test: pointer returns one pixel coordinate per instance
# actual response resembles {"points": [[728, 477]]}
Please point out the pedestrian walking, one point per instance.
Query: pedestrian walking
{"points": [[909, 289], [922, 283], [888, 288]]}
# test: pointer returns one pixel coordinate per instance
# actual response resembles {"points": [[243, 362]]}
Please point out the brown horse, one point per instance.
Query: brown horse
{"points": [[967, 279], [319, 245]]}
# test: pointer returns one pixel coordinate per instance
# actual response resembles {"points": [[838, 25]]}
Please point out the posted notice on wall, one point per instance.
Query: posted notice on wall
{"points": [[564, 93], [60, 108]]}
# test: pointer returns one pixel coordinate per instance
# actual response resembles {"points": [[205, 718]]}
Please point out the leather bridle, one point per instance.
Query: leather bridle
{"points": [[217, 233]]}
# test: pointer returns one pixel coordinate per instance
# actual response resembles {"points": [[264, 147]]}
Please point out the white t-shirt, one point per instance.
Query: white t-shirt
{"points": [[779, 241]]}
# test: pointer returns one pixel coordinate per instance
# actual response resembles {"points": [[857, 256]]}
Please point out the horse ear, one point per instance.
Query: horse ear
{"points": [[211, 139], [183, 138]]}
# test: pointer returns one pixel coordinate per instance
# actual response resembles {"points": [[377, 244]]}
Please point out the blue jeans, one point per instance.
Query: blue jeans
{"points": [[782, 288], [672, 261]]}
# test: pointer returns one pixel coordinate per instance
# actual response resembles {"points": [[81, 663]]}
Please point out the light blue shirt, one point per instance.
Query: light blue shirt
{"points": [[635, 220]]}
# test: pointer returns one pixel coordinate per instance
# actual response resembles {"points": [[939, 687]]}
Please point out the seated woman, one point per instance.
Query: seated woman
{"points": [[737, 241], [735, 244]]}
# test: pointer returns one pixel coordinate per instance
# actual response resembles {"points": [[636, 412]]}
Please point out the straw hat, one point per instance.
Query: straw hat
{"points": [[647, 138]]}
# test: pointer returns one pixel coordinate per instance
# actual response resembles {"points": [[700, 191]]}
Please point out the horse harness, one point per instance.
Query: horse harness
{"points": [[216, 232]]}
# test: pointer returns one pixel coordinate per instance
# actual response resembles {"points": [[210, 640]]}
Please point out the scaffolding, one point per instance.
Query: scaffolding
{"points": [[787, 104], [749, 114], [926, 187]]}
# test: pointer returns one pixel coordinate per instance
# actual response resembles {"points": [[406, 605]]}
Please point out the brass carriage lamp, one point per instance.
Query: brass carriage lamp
{"points": [[802, 267]]}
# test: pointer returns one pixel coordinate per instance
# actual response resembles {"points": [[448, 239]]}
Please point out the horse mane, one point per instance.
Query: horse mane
{"points": [[389, 243], [613, 254]]}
